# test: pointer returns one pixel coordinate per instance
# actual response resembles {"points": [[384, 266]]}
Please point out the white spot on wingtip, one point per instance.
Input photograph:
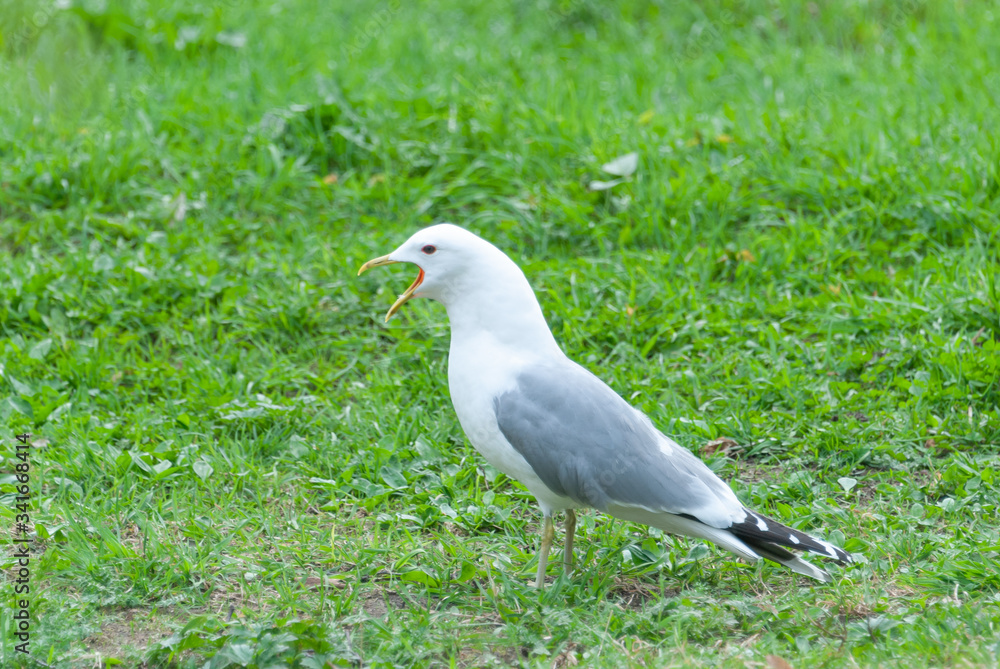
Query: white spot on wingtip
{"points": [[829, 548], [761, 525], [794, 539]]}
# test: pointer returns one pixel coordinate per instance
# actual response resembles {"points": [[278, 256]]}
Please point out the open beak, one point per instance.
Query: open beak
{"points": [[402, 299]]}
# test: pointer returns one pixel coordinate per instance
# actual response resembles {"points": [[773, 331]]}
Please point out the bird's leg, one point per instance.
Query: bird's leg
{"points": [[570, 527], [548, 533]]}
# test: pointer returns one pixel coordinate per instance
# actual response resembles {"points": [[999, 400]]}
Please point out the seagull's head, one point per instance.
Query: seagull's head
{"points": [[450, 260]]}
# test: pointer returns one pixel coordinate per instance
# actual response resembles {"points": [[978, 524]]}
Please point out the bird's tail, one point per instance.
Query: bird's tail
{"points": [[770, 539], [756, 537]]}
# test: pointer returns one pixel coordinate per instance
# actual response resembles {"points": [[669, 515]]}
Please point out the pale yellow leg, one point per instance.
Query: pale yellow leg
{"points": [[548, 534], [568, 549]]}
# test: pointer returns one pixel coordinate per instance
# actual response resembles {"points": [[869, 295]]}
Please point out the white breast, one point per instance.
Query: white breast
{"points": [[480, 369]]}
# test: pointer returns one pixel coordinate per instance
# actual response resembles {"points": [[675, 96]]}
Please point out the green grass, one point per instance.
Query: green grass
{"points": [[236, 461]]}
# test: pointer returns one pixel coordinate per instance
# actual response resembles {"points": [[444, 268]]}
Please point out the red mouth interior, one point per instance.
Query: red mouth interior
{"points": [[416, 282]]}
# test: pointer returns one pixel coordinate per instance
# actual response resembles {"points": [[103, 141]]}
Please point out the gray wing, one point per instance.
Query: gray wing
{"points": [[587, 443]]}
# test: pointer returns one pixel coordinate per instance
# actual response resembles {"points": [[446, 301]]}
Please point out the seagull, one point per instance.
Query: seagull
{"points": [[571, 440]]}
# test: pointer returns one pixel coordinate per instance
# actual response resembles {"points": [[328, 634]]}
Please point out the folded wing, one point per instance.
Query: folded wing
{"points": [[587, 443]]}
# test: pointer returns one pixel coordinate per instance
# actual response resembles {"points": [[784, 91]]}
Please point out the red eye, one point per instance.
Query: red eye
{"points": [[429, 249]]}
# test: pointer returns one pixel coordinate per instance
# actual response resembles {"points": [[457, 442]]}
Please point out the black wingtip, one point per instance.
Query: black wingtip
{"points": [[757, 528]]}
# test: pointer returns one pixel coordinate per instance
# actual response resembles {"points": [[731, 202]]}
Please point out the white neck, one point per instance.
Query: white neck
{"points": [[504, 306]]}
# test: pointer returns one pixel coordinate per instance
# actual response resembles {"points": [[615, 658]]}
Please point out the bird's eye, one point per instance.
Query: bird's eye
{"points": [[429, 249]]}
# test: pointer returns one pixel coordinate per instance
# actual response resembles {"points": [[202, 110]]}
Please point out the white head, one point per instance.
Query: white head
{"points": [[478, 284]]}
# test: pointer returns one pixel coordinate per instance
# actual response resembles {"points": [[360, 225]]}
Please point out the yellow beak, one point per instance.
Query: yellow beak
{"points": [[402, 299], [376, 262]]}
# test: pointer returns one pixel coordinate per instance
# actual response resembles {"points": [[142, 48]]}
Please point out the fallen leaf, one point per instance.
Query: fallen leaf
{"points": [[180, 207], [233, 39], [775, 662], [976, 342], [622, 166], [330, 179], [377, 179], [315, 582], [746, 256], [603, 185], [723, 445], [567, 658]]}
